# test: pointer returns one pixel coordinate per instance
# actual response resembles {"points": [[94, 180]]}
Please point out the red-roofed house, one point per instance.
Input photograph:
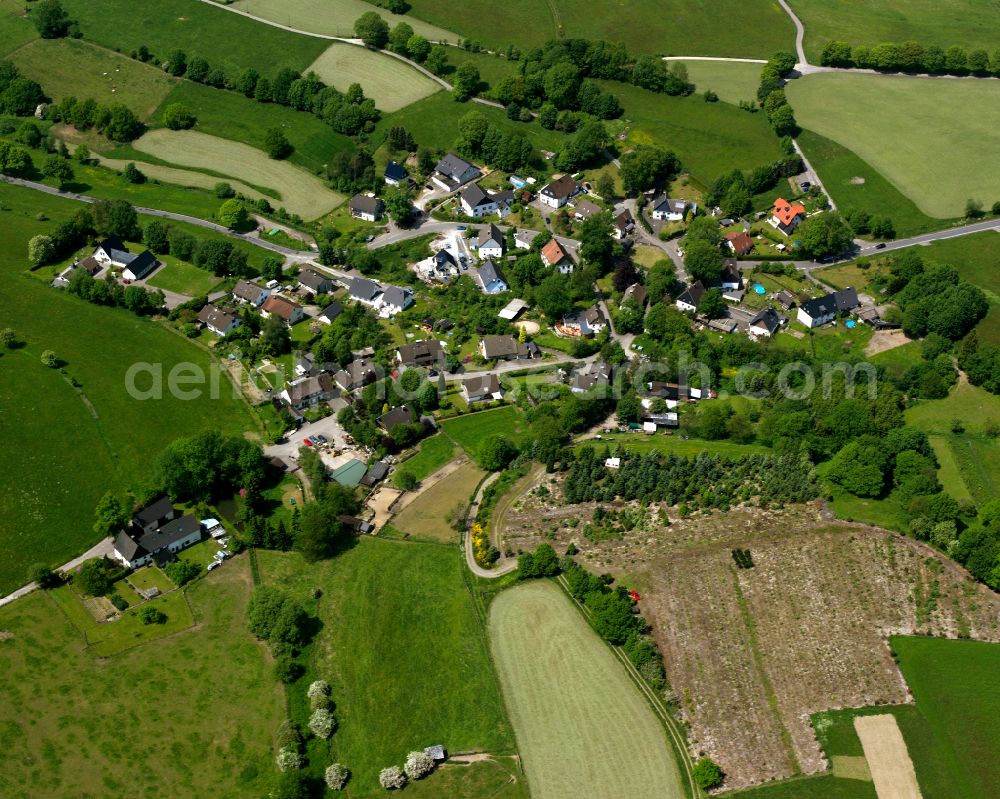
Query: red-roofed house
{"points": [[554, 255], [786, 216], [739, 243]]}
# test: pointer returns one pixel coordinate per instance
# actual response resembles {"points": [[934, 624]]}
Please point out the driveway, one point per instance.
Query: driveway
{"points": [[288, 451], [102, 549]]}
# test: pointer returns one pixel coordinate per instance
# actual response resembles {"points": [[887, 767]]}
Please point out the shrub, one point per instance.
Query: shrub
{"points": [[322, 723], [317, 689], [336, 776], [50, 359], [707, 773], [178, 116], [182, 571], [43, 575], [289, 736], [392, 778], [286, 670], [418, 765], [93, 578], [150, 615], [41, 249], [289, 759]]}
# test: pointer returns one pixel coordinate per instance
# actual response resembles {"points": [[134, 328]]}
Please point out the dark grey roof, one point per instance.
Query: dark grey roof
{"points": [[170, 533], [128, 547], [489, 273], [420, 352], [216, 317], [837, 302], [332, 311], [492, 235], [624, 220], [637, 293], [452, 166], [142, 264], [154, 511], [481, 385], [692, 294], [399, 415], [362, 288], [366, 204], [561, 188], [731, 273], [377, 471], [396, 296], [113, 243], [768, 319], [442, 257], [507, 347], [312, 279], [246, 290], [396, 171], [475, 196], [356, 373], [310, 387], [664, 203]]}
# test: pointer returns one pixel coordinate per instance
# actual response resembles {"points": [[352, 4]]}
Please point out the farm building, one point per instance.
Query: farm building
{"points": [[512, 310]]}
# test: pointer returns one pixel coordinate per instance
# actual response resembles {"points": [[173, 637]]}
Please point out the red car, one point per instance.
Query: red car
{"points": [[307, 441]]}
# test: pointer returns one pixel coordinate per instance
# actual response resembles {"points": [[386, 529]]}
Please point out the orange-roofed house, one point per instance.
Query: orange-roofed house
{"points": [[554, 255], [786, 216]]}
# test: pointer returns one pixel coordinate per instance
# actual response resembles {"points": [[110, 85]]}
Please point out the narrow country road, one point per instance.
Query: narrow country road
{"points": [[800, 33], [99, 550], [714, 58], [813, 174], [505, 567]]}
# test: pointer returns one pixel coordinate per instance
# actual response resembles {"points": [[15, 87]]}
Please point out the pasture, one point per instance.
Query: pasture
{"points": [[300, 192], [182, 277], [659, 27], [431, 455], [799, 632], [731, 80], [709, 138], [79, 729], [945, 150], [854, 184], [583, 728], [75, 67], [334, 17], [15, 27], [403, 648], [468, 430], [76, 445], [969, 23], [426, 517], [218, 36], [388, 81]]}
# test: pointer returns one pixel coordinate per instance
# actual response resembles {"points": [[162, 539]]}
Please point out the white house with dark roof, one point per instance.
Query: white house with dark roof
{"points": [[396, 174], [250, 293], [690, 297], [820, 310], [395, 300], [557, 193], [155, 533], [309, 391], [583, 323], [766, 323], [491, 278], [113, 252], [218, 320], [313, 281], [481, 388], [367, 292], [491, 242], [330, 312], [664, 209], [475, 202], [623, 225], [140, 266], [451, 172], [366, 207]]}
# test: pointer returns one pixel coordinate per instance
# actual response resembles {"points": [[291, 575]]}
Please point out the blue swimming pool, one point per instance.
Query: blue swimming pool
{"points": [[760, 289], [850, 323]]}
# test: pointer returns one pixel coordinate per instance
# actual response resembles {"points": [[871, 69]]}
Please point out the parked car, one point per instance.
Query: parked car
{"points": [[213, 565], [307, 441], [880, 245], [460, 227], [320, 439]]}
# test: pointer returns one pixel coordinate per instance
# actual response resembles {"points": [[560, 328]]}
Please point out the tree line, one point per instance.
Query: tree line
{"points": [[911, 56]]}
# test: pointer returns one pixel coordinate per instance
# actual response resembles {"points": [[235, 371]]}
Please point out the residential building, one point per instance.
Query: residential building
{"points": [[623, 225], [599, 373], [309, 391], [664, 209], [585, 209], [690, 297], [512, 310], [475, 202], [785, 299], [112, 252], [491, 278], [395, 300], [330, 312], [766, 323], [730, 278], [313, 281], [481, 388], [635, 293], [290, 311], [397, 416], [452, 171], [584, 323], [396, 174], [305, 366], [557, 193], [507, 348], [367, 292], [356, 375], [505, 201], [155, 533], [523, 239], [739, 243], [491, 242], [554, 255], [250, 293], [440, 266], [820, 310], [366, 207], [217, 320], [421, 353], [154, 515], [669, 419], [140, 266], [786, 216]]}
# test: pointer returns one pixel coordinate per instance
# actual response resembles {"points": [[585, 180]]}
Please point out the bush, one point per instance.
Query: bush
{"points": [[418, 765], [118, 601], [286, 669], [322, 723], [181, 572], [707, 773], [318, 689], [93, 578], [178, 116], [289, 759], [150, 615], [496, 452], [392, 778], [336, 776], [43, 575]]}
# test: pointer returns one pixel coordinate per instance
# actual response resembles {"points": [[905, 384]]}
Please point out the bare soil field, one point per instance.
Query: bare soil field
{"points": [[751, 653], [887, 756]]}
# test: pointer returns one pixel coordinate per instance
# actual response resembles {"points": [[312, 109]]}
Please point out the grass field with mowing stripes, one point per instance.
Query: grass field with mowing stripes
{"points": [[388, 81], [426, 516], [301, 193], [731, 80], [945, 148], [583, 728]]}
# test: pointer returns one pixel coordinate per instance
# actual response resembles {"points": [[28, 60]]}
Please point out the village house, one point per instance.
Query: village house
{"points": [[356, 375], [367, 292], [557, 193], [113, 252], [401, 414], [475, 202], [330, 312], [421, 353], [690, 297], [766, 323], [366, 207], [217, 320], [507, 348], [155, 533], [395, 300], [599, 373], [440, 266], [739, 243], [635, 293], [664, 209], [786, 216], [451, 172], [553, 254], [820, 310], [491, 278], [284, 308], [89, 265], [785, 299], [313, 281], [396, 175], [583, 323], [250, 293], [585, 209], [481, 388], [623, 225], [523, 238], [491, 242], [309, 391]]}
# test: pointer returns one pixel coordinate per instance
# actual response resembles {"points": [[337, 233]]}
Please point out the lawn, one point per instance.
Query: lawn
{"points": [[731, 80], [182, 277], [949, 472], [709, 138], [572, 704], [333, 17], [667, 27], [205, 696], [854, 184], [492, 68], [467, 431], [388, 81], [73, 447], [300, 192], [943, 132], [432, 454], [426, 517], [405, 652], [15, 28], [218, 36], [150, 577], [973, 406], [78, 68], [969, 23]]}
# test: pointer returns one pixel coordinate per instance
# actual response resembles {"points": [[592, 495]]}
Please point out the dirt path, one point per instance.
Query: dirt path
{"points": [[470, 559], [887, 756], [884, 340]]}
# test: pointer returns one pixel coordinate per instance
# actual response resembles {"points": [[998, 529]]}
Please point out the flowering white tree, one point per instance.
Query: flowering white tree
{"points": [[336, 776], [319, 688], [288, 759], [418, 765], [392, 778], [322, 723]]}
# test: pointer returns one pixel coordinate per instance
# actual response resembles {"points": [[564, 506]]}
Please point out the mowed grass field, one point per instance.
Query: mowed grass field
{"points": [[709, 138], [660, 27], [388, 81], [62, 455], [426, 516], [334, 17], [467, 431], [300, 192], [405, 653], [15, 27], [432, 454], [583, 728], [197, 710], [182, 277], [224, 39], [944, 133], [855, 184], [75, 67], [731, 80], [969, 23]]}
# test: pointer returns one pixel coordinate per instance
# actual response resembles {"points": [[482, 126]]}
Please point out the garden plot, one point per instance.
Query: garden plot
{"points": [[301, 193], [388, 81], [750, 653]]}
